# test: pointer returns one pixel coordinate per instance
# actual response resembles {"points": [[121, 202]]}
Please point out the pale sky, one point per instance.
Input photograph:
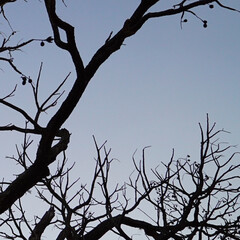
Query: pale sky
{"points": [[153, 91]]}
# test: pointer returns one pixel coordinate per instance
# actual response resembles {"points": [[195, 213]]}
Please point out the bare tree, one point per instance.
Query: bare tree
{"points": [[207, 209]]}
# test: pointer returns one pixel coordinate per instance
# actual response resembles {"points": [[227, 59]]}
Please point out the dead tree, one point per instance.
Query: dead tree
{"points": [[180, 213], [184, 199]]}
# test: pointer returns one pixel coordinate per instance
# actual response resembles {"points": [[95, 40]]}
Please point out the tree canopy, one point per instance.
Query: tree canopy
{"points": [[188, 201]]}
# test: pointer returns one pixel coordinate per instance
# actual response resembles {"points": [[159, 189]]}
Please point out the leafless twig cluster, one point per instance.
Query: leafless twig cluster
{"points": [[189, 199], [183, 199]]}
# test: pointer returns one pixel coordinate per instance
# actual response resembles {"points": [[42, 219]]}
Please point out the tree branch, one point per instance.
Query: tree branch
{"points": [[42, 225]]}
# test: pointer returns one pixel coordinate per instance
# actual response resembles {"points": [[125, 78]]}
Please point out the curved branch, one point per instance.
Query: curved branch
{"points": [[11, 127], [13, 48], [22, 112], [35, 173], [42, 225], [70, 45], [108, 224], [10, 61]]}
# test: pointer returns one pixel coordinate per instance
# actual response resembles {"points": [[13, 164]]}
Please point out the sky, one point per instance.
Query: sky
{"points": [[152, 92]]}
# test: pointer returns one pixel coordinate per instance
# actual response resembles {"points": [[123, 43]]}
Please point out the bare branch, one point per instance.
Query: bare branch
{"points": [[42, 225]]}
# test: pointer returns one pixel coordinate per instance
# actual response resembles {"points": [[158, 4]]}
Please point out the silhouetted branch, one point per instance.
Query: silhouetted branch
{"points": [[44, 107], [22, 112], [42, 225], [184, 199]]}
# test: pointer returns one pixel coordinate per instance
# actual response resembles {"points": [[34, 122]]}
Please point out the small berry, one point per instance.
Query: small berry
{"points": [[211, 6], [24, 78], [185, 20], [204, 23], [24, 82], [30, 80], [42, 43]]}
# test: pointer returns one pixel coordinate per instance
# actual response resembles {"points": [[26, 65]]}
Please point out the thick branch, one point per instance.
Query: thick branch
{"points": [[21, 185], [33, 174], [80, 84], [108, 224], [42, 225]]}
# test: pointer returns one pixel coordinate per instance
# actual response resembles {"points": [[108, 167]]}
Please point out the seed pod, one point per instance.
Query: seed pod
{"points": [[204, 23]]}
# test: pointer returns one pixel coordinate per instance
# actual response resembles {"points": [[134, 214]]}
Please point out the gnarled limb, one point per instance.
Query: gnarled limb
{"points": [[47, 153], [42, 225]]}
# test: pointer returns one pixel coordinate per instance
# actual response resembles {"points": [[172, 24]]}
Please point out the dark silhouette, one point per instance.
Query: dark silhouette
{"points": [[209, 209]]}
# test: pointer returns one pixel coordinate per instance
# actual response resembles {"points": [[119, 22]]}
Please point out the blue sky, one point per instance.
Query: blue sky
{"points": [[154, 91]]}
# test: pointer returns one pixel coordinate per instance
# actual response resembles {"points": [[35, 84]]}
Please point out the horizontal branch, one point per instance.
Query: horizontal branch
{"points": [[22, 112], [110, 223], [16, 47], [11, 127]]}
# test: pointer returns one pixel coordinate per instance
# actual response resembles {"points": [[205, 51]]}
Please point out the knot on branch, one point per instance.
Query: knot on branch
{"points": [[61, 145], [129, 28]]}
